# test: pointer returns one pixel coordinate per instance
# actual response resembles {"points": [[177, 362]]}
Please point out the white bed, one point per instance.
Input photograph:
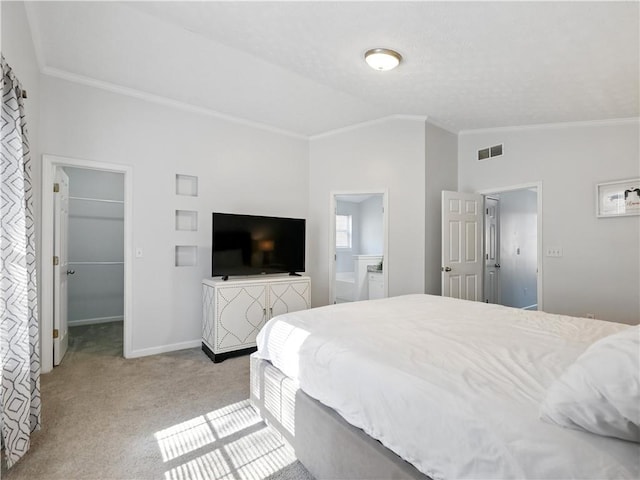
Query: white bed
{"points": [[452, 387]]}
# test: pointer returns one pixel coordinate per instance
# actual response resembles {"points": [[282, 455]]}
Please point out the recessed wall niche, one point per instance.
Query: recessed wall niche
{"points": [[186, 220], [186, 185], [186, 255]]}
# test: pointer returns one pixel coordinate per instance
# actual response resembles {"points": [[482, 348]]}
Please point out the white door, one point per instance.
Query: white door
{"points": [[462, 220], [492, 250], [61, 265]]}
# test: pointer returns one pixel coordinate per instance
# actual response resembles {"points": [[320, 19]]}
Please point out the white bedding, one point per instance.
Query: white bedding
{"points": [[453, 387]]}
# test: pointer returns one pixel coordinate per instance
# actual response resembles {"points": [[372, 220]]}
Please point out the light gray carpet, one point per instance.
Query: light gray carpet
{"points": [[175, 416]]}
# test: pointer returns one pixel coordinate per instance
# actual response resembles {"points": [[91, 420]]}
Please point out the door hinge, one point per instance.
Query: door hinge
{"points": [[55, 333], [56, 260], [56, 187]]}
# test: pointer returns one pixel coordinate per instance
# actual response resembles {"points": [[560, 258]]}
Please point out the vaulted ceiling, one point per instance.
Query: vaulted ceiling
{"points": [[298, 66]]}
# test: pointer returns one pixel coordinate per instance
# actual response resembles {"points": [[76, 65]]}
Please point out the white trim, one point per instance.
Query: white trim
{"points": [[510, 188], [368, 123], [525, 186], [95, 263], [94, 321], [49, 162], [167, 102], [144, 352], [332, 235], [542, 126], [96, 200], [36, 38]]}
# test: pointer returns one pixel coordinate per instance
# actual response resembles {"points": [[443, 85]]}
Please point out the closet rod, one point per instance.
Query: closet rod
{"points": [[96, 200], [96, 263]]}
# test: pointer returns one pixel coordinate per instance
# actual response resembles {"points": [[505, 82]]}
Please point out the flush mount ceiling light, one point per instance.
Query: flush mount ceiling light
{"points": [[382, 58]]}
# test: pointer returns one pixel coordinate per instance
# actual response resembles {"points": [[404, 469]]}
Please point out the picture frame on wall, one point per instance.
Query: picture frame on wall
{"points": [[617, 199]]}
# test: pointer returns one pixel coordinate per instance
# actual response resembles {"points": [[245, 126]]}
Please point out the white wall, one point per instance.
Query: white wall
{"points": [[599, 272], [371, 226], [518, 248], [17, 49], [387, 154], [240, 170], [441, 173], [96, 241]]}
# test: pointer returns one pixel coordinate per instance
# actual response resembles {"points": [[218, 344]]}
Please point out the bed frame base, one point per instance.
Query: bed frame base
{"points": [[328, 446]]}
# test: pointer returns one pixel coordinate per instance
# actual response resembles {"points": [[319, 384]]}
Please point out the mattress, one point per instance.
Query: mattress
{"points": [[451, 386]]}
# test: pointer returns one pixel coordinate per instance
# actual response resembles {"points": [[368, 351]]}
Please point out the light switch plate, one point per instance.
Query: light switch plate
{"points": [[554, 251]]}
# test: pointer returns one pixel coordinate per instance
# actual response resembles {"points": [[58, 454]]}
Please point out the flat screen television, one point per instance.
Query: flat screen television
{"points": [[255, 245]]}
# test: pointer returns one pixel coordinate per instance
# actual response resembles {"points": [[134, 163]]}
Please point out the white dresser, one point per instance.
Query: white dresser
{"points": [[234, 311]]}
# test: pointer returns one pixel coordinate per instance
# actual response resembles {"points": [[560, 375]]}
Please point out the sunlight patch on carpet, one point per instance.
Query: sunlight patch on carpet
{"points": [[232, 445], [233, 418], [184, 438]]}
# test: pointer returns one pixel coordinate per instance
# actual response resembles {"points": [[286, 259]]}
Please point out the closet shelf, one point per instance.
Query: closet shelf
{"points": [[96, 263], [96, 200]]}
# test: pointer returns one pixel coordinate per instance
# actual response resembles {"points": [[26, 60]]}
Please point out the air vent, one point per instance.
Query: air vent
{"points": [[490, 152]]}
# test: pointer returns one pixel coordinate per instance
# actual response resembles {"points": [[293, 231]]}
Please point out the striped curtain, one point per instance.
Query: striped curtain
{"points": [[19, 343]]}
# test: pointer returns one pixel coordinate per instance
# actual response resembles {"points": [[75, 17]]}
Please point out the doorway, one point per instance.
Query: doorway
{"points": [[492, 246], [511, 248], [358, 246], [96, 257], [98, 269]]}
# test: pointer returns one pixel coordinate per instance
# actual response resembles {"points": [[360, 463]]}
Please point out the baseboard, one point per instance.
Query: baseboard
{"points": [[92, 321], [531, 307], [144, 352]]}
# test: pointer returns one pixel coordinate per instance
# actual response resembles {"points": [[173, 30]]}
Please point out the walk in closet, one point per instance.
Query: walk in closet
{"points": [[96, 246]]}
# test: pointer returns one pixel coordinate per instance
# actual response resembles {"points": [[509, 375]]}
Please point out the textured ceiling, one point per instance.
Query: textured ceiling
{"points": [[297, 66]]}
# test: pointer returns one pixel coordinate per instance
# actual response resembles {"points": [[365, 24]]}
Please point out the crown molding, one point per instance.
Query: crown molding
{"points": [[368, 123], [160, 100], [36, 38], [544, 126]]}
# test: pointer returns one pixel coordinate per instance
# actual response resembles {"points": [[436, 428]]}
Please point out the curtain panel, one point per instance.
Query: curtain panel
{"points": [[19, 341]]}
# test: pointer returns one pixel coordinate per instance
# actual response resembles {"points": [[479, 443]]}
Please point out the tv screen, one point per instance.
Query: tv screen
{"points": [[253, 245]]}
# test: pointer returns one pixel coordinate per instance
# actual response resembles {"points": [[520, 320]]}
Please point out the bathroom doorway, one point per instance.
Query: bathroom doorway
{"points": [[358, 243]]}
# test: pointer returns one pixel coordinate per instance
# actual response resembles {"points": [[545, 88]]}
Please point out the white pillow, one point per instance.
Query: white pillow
{"points": [[600, 391]]}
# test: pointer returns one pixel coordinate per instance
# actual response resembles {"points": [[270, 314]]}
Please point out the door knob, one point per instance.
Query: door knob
{"points": [[446, 269], [70, 272], [497, 265]]}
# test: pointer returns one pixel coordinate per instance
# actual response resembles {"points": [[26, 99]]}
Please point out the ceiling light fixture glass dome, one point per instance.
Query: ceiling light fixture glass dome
{"points": [[382, 58]]}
